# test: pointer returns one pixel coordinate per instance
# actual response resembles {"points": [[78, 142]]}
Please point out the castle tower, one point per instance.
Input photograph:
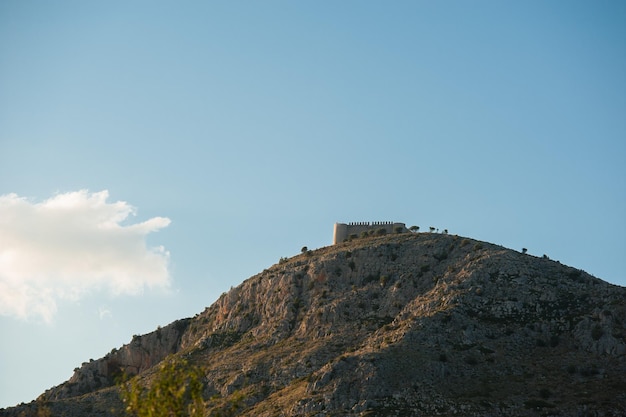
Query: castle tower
{"points": [[340, 233], [343, 231]]}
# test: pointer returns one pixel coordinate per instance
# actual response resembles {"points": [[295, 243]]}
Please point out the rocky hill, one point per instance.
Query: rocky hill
{"points": [[413, 324]]}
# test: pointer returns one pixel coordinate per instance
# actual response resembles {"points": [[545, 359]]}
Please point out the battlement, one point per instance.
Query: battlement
{"points": [[344, 231]]}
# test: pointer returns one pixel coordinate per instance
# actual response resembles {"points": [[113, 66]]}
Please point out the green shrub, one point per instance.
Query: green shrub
{"points": [[176, 390]]}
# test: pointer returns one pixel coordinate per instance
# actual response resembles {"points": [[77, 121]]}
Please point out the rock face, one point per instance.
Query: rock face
{"points": [[142, 353], [399, 325]]}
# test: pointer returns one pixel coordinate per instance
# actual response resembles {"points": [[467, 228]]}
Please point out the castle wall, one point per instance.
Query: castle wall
{"points": [[343, 231]]}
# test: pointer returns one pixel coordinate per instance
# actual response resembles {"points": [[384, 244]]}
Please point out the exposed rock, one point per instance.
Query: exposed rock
{"points": [[410, 324], [142, 353]]}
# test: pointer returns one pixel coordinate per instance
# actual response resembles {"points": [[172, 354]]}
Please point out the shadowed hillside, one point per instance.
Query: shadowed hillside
{"points": [[405, 324]]}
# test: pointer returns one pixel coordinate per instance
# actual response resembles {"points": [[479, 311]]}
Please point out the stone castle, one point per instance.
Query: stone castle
{"points": [[344, 231]]}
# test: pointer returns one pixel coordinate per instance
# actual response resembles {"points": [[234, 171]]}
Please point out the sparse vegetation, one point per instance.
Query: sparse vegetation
{"points": [[414, 307]]}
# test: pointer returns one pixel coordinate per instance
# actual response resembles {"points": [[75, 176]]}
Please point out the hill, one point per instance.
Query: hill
{"points": [[412, 324]]}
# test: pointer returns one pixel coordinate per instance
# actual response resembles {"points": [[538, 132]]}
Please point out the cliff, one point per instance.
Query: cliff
{"points": [[408, 324]]}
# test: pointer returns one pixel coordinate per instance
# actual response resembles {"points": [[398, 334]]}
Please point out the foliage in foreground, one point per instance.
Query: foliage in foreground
{"points": [[175, 391]]}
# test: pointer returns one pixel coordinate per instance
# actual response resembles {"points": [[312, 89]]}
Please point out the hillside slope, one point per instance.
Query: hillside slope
{"points": [[411, 324]]}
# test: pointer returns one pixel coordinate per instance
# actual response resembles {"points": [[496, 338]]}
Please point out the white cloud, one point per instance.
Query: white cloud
{"points": [[104, 313], [69, 245]]}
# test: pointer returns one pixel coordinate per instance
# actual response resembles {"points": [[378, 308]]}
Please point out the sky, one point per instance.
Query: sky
{"points": [[154, 154]]}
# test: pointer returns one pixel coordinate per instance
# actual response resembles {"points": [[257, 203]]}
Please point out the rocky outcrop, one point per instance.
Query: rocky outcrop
{"points": [[409, 324], [142, 353]]}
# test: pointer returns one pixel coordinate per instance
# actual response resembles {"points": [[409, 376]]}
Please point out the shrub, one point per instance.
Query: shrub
{"points": [[596, 332], [383, 280], [545, 393], [440, 256], [470, 360], [554, 340], [175, 391], [371, 278], [589, 371], [537, 404]]}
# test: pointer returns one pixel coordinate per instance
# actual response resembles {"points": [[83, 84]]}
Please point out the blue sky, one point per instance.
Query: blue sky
{"points": [[154, 154]]}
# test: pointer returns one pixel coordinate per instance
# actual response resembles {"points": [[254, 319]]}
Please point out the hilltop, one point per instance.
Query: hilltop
{"points": [[412, 324]]}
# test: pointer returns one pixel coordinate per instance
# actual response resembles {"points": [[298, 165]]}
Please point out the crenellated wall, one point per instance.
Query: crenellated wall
{"points": [[343, 231]]}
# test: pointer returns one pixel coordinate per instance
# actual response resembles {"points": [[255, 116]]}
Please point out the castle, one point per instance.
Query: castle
{"points": [[344, 231]]}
